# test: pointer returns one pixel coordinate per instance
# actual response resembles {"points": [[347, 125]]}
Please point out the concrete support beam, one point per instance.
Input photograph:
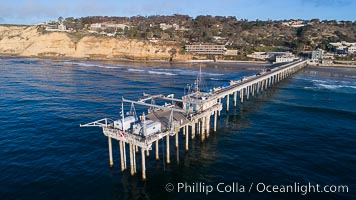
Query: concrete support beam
{"points": [[199, 127], [122, 156], [167, 149], [143, 161], [193, 130], [186, 138], [111, 162], [207, 126], [157, 150], [177, 140], [131, 160], [202, 133], [124, 148], [134, 158], [215, 120], [235, 99], [219, 101], [227, 102]]}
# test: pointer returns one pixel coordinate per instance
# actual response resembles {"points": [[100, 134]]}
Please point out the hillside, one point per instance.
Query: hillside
{"points": [[30, 42]]}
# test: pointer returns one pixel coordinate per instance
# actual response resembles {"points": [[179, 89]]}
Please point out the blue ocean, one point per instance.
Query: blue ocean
{"points": [[302, 131]]}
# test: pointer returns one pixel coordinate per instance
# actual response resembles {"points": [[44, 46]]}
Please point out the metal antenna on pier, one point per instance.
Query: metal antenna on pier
{"points": [[144, 124], [153, 102], [133, 111], [198, 81], [170, 123], [122, 112]]}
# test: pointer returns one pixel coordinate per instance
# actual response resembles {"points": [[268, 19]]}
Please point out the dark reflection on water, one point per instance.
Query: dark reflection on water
{"points": [[302, 130]]}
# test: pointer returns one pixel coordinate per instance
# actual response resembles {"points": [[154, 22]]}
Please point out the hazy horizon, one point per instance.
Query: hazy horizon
{"points": [[30, 12]]}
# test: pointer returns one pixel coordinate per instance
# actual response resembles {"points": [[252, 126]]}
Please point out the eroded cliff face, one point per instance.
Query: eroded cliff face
{"points": [[27, 41]]}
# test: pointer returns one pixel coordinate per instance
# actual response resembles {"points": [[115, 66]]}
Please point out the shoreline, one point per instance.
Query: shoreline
{"points": [[334, 65], [189, 62], [165, 62]]}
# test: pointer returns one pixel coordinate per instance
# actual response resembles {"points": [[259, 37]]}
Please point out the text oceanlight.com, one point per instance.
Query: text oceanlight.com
{"points": [[235, 187]]}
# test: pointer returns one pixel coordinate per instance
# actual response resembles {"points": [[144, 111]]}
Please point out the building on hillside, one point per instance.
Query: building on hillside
{"points": [[105, 25], [206, 49], [55, 27], [229, 52], [95, 26], [343, 47], [352, 49], [51, 27], [273, 56], [165, 26], [62, 27], [317, 55], [259, 55], [285, 58], [294, 23]]}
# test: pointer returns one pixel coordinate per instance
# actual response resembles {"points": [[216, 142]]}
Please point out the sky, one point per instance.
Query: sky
{"points": [[38, 11]]}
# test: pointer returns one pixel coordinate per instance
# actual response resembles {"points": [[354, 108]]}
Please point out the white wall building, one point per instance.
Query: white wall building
{"points": [[259, 55], [284, 58], [352, 49]]}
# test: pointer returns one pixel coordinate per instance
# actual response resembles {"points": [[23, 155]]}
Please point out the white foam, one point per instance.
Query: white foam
{"points": [[212, 74], [331, 87], [216, 79], [136, 70], [186, 72], [327, 86], [90, 65], [161, 73], [318, 81]]}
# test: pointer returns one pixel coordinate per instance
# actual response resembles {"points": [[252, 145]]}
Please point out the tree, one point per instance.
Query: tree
{"points": [[60, 19], [172, 52]]}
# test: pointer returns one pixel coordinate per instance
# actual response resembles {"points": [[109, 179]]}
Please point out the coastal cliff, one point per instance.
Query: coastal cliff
{"points": [[28, 41]]}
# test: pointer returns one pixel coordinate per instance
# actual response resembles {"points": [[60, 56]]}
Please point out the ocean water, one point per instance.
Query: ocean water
{"points": [[301, 131]]}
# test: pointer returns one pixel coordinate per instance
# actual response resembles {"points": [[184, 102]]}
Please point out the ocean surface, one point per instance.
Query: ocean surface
{"points": [[301, 131]]}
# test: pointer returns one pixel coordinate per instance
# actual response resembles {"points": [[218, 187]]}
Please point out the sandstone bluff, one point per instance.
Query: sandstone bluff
{"points": [[28, 41]]}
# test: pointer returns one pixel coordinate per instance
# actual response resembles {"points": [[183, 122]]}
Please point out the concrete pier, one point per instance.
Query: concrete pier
{"points": [[193, 111]]}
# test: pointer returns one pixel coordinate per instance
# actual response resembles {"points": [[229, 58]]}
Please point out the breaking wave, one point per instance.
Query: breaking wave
{"points": [[161, 73]]}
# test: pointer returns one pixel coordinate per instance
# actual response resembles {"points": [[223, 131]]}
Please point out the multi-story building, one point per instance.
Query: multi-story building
{"points": [[352, 49], [344, 47], [317, 55], [284, 58], [207, 49]]}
